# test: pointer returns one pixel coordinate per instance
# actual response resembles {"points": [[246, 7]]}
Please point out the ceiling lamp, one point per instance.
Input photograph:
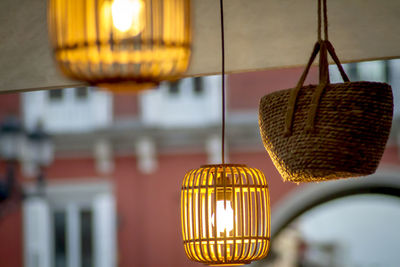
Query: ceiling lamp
{"points": [[225, 209], [122, 45], [225, 214]]}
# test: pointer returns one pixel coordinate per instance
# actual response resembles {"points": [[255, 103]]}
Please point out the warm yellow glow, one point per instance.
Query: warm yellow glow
{"points": [[224, 217], [225, 214], [127, 15], [121, 45]]}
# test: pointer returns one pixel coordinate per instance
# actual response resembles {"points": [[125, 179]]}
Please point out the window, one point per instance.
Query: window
{"points": [[55, 95], [60, 238], [174, 88], [374, 71], [352, 72], [68, 110], [394, 80], [73, 227], [198, 85], [66, 223], [86, 220], [195, 101], [377, 71], [81, 92]]}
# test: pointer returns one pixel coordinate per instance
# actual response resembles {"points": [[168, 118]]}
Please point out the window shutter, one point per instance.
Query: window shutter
{"points": [[104, 231], [37, 250]]}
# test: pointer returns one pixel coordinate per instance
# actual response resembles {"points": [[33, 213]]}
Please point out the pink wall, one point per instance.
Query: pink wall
{"points": [[125, 105], [11, 248], [9, 105], [149, 232], [148, 207], [246, 89], [11, 238], [149, 216]]}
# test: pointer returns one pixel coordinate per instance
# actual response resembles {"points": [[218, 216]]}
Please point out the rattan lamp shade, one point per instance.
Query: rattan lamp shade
{"points": [[225, 214], [123, 45]]}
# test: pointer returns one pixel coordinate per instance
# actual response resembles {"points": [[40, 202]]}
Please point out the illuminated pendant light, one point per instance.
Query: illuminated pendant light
{"points": [[122, 45], [225, 209]]}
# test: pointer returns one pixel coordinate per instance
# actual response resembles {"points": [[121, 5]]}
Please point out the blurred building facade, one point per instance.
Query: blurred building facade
{"points": [[113, 191]]}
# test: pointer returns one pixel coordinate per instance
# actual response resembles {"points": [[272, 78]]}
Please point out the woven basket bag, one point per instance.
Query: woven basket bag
{"points": [[326, 131]]}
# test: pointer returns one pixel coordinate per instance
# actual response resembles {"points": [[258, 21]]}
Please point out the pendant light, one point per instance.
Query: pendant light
{"points": [[225, 209], [122, 45]]}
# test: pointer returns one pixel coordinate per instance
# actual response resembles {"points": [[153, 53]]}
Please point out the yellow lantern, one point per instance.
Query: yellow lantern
{"points": [[225, 214], [225, 208], [122, 45]]}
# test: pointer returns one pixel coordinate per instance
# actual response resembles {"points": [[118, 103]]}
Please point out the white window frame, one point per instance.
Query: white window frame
{"points": [[394, 80], [69, 114], [186, 108], [71, 197]]}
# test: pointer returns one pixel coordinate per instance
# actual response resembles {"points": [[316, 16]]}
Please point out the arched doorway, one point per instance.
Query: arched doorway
{"points": [[311, 210]]}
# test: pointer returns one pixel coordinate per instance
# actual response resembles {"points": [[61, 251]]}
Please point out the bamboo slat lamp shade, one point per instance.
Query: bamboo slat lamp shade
{"points": [[122, 45], [225, 210], [225, 214]]}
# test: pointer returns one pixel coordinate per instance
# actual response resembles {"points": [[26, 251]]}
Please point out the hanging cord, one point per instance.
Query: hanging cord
{"points": [[320, 20], [221, 3], [323, 47], [323, 68], [320, 47], [325, 21]]}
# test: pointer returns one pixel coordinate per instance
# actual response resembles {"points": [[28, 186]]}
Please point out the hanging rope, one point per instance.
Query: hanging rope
{"points": [[323, 67], [320, 47], [320, 20], [221, 3], [325, 21]]}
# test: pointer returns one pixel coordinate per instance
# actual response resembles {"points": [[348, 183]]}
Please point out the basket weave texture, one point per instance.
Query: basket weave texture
{"points": [[352, 126], [326, 131]]}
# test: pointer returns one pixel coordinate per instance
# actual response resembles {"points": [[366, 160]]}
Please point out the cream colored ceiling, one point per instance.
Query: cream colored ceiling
{"points": [[260, 34]]}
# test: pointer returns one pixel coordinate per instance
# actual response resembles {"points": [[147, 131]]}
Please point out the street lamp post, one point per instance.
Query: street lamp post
{"points": [[11, 138], [40, 150], [35, 147]]}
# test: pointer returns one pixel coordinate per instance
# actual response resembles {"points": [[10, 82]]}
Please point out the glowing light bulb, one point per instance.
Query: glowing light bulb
{"points": [[127, 15], [224, 217]]}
